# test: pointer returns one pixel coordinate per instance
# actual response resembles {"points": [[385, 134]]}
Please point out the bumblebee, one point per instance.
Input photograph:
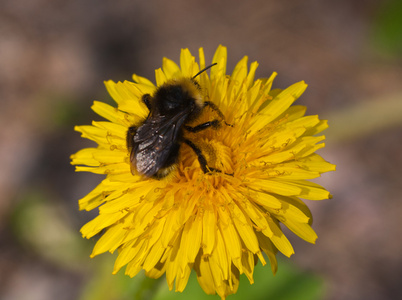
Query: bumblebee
{"points": [[154, 145]]}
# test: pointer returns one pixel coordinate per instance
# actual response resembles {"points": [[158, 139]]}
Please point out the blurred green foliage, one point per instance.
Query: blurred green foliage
{"points": [[387, 28], [42, 227]]}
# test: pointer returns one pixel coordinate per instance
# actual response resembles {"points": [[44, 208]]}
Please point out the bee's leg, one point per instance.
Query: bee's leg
{"points": [[214, 124], [146, 98], [217, 110], [130, 137], [201, 158], [130, 145]]}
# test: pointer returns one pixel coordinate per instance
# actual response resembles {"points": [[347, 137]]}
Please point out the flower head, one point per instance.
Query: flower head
{"points": [[220, 222]]}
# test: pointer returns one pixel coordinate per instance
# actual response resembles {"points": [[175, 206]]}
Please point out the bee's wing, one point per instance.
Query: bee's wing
{"points": [[154, 142]]}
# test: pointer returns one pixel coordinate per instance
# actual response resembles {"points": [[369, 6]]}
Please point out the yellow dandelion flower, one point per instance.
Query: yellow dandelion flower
{"points": [[259, 154]]}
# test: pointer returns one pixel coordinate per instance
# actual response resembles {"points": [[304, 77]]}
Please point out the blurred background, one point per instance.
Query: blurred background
{"points": [[54, 57]]}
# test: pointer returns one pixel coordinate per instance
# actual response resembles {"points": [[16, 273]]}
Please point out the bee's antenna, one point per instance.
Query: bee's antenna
{"points": [[203, 70]]}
